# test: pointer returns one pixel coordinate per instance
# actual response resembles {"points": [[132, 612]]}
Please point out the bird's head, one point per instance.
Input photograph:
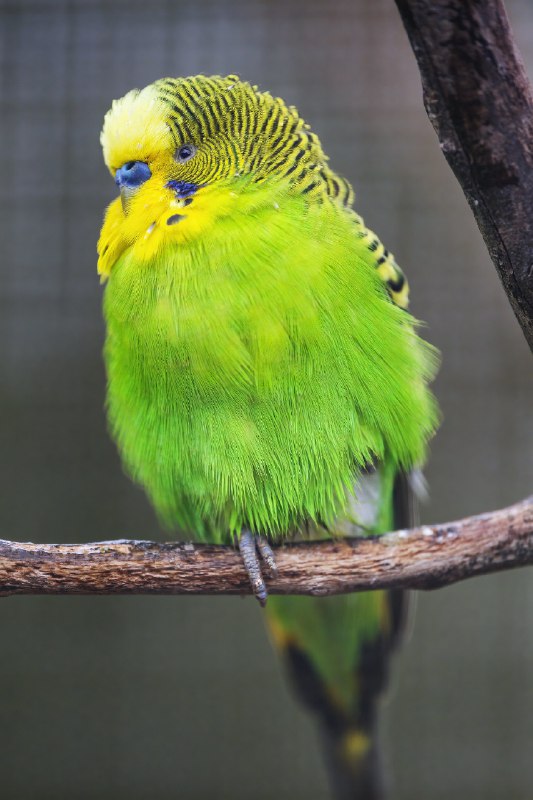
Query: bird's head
{"points": [[183, 151]]}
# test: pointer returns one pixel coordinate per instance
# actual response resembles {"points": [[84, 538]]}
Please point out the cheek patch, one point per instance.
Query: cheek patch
{"points": [[182, 188]]}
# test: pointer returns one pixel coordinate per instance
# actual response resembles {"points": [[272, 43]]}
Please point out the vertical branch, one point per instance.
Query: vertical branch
{"points": [[480, 103]]}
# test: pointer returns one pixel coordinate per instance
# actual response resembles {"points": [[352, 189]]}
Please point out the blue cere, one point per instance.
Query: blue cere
{"points": [[132, 174], [182, 188]]}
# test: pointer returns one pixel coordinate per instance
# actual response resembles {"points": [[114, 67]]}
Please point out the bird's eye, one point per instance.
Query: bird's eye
{"points": [[185, 153]]}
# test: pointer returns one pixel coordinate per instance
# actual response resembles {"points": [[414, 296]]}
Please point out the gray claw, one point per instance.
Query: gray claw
{"points": [[249, 545], [267, 554]]}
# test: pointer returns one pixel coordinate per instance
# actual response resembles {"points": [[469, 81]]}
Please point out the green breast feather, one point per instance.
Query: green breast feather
{"points": [[252, 376]]}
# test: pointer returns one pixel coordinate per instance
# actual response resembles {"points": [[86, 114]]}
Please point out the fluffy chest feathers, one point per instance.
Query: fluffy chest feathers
{"points": [[253, 371]]}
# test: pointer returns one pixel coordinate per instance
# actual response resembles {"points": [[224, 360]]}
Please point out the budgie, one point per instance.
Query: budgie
{"points": [[265, 380]]}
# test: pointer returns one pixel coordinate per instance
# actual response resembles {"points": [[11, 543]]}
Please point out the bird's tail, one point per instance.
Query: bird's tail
{"points": [[337, 655]]}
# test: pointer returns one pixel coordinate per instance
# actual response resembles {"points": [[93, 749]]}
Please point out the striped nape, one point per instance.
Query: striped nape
{"points": [[385, 263], [255, 134]]}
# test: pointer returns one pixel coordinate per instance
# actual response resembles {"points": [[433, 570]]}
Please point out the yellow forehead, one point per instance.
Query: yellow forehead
{"points": [[135, 129]]}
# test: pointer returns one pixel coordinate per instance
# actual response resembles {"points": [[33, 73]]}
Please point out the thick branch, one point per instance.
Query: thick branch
{"points": [[421, 558], [480, 103]]}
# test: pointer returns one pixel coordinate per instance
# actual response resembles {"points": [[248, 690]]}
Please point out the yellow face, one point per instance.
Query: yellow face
{"points": [[171, 190]]}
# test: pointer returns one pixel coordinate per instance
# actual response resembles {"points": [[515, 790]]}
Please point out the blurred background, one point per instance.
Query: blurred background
{"points": [[182, 697]]}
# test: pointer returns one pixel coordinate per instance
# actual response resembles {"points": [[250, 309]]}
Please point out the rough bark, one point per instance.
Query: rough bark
{"points": [[480, 103], [422, 558]]}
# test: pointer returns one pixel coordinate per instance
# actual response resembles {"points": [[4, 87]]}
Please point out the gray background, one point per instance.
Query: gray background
{"points": [[172, 697]]}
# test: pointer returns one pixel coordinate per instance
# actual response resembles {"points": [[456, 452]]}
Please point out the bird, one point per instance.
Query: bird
{"points": [[265, 379]]}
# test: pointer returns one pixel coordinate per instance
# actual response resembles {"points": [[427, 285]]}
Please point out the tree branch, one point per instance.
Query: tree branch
{"points": [[422, 558], [480, 103]]}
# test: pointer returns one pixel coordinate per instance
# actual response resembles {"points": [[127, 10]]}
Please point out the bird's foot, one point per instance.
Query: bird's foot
{"points": [[252, 548]]}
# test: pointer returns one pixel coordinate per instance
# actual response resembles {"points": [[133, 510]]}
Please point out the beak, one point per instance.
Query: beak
{"points": [[129, 177], [126, 193]]}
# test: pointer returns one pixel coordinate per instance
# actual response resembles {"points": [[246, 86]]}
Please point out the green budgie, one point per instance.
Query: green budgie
{"points": [[264, 378]]}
